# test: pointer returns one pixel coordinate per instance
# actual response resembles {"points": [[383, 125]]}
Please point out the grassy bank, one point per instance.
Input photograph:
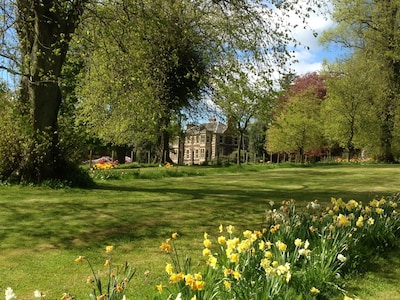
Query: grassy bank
{"points": [[43, 230]]}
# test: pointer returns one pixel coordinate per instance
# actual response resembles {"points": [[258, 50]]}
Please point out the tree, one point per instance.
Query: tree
{"points": [[297, 125], [138, 81], [174, 47], [257, 138], [241, 99], [347, 111], [371, 30], [43, 29]]}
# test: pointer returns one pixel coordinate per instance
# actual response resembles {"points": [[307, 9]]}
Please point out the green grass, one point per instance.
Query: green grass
{"points": [[43, 230]]}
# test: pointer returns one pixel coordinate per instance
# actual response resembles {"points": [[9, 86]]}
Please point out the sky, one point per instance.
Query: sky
{"points": [[311, 60]]}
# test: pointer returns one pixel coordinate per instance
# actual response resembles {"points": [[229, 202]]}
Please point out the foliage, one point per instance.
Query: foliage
{"points": [[297, 125], [370, 31], [138, 81], [13, 138], [348, 113]]}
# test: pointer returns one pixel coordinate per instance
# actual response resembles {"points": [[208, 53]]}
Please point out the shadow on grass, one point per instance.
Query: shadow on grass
{"points": [[93, 223], [125, 211]]}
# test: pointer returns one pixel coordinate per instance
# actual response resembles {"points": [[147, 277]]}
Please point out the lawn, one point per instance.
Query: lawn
{"points": [[44, 230]]}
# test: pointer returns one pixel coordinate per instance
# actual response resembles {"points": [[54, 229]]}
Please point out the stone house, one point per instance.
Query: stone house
{"points": [[204, 143]]}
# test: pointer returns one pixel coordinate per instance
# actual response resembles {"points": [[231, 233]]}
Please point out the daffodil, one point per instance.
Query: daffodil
{"points": [[206, 252], [221, 240], [169, 269], [281, 246], [212, 261], [109, 249], [298, 242], [207, 243], [79, 259], [314, 291], [227, 285]]}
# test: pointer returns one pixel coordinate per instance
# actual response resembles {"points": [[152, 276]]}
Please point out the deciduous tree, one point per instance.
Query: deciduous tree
{"points": [[370, 29]]}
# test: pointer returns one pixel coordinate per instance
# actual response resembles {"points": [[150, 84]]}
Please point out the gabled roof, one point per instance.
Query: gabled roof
{"points": [[212, 126]]}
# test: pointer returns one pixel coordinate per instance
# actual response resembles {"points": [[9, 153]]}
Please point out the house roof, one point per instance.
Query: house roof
{"points": [[212, 126]]}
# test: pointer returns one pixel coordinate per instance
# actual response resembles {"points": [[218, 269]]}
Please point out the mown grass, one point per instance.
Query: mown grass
{"points": [[43, 230]]}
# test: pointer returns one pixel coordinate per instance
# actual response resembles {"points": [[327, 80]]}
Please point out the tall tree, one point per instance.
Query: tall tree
{"points": [[297, 125], [242, 99], [154, 70], [173, 48], [370, 29], [348, 111], [43, 31]]}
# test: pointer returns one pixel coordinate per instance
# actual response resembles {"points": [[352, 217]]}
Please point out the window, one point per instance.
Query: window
{"points": [[196, 153], [202, 151], [197, 138], [221, 139], [202, 139], [187, 154], [235, 141]]}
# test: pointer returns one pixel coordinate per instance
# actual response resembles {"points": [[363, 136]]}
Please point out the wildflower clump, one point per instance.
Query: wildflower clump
{"points": [[102, 165], [112, 281], [295, 255]]}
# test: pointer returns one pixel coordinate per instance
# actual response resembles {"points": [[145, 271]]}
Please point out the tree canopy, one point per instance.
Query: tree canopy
{"points": [[370, 29]]}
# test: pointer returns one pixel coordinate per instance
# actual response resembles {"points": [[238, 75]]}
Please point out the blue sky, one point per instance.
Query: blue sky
{"points": [[311, 60]]}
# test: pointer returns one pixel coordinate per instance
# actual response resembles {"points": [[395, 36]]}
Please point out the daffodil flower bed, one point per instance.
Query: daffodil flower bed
{"points": [[298, 255]]}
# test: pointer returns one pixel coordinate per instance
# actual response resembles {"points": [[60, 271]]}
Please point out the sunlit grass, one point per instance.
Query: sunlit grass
{"points": [[43, 230]]}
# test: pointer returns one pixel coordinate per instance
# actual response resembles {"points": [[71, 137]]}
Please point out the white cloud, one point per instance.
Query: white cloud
{"points": [[311, 53]]}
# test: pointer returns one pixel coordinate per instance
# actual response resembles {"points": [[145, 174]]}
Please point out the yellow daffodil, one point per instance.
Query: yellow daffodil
{"points": [[206, 252], [227, 285], [314, 291], [160, 288], [109, 249], [237, 275], [234, 257], [247, 234], [298, 242], [281, 246], [360, 221], [221, 240], [199, 285], [212, 261], [175, 235], [79, 259], [169, 269], [89, 279], [166, 247], [207, 243]]}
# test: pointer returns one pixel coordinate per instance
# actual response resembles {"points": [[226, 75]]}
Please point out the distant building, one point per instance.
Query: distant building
{"points": [[204, 143]]}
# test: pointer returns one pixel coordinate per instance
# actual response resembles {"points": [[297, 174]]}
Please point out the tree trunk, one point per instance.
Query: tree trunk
{"points": [[44, 30]]}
